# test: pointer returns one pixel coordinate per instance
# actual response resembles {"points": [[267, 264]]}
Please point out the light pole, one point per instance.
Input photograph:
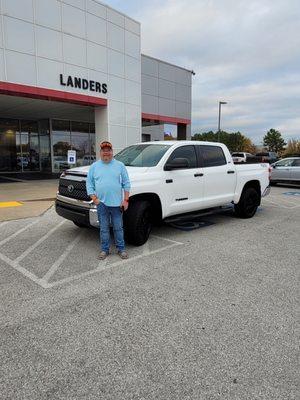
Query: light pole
{"points": [[220, 103]]}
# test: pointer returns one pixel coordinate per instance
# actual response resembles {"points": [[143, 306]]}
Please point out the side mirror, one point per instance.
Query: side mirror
{"points": [[177, 163]]}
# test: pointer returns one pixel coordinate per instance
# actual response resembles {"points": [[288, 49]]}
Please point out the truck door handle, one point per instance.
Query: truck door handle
{"points": [[169, 181], [196, 175], [230, 172]]}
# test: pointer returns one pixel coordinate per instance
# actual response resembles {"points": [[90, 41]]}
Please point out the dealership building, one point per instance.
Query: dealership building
{"points": [[72, 75]]}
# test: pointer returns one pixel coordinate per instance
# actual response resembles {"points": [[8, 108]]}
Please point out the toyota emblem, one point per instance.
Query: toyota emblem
{"points": [[70, 188]]}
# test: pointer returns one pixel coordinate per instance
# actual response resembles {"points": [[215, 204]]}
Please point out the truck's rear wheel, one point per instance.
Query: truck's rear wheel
{"points": [[137, 223], [248, 204]]}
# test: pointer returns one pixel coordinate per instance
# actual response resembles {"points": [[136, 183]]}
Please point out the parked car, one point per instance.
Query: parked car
{"points": [[241, 157], [268, 156], [286, 171], [169, 178]]}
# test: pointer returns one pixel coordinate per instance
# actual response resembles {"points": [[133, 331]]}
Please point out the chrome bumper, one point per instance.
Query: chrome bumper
{"points": [[266, 191], [86, 206]]}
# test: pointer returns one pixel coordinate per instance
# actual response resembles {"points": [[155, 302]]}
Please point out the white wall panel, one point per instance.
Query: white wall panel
{"points": [[74, 50], [96, 29], [48, 74], [19, 35], [76, 3], [149, 85], [2, 68], [98, 77], [166, 107], [133, 115], [49, 43], [116, 63], [166, 71], [116, 37], [149, 104], [183, 110], [132, 45], [1, 38], [115, 17], [95, 8], [96, 57], [183, 93], [48, 13], [22, 9], [132, 92], [116, 88], [117, 135], [116, 112], [73, 21], [183, 77], [80, 72], [132, 69], [133, 135], [166, 89], [132, 26], [26, 74], [149, 66]]}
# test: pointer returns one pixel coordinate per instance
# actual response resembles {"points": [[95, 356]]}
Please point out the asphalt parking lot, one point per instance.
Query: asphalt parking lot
{"points": [[204, 310]]}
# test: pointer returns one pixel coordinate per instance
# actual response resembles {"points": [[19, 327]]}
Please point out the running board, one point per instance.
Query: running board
{"points": [[199, 213]]}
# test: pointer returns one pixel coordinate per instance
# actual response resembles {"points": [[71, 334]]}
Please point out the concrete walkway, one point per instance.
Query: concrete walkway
{"points": [[26, 198]]}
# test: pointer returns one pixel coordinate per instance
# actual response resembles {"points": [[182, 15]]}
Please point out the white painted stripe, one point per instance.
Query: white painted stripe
{"points": [[4, 223], [17, 233], [36, 244], [104, 266], [168, 240], [61, 259], [23, 271]]}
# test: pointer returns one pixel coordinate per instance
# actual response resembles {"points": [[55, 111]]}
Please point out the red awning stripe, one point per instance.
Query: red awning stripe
{"points": [[15, 89], [166, 119]]}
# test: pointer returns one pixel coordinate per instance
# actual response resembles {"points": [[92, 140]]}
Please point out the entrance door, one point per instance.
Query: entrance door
{"points": [[30, 146]]}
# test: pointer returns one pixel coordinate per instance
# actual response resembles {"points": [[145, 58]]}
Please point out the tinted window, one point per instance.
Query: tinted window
{"points": [[142, 155], [213, 156], [187, 152], [237, 154], [296, 163], [284, 163]]}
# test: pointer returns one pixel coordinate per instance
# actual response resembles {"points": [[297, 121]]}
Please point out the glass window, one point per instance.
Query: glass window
{"points": [[80, 142], [187, 152], [147, 155], [10, 148], [213, 156], [61, 137], [296, 163], [284, 163], [30, 146]]}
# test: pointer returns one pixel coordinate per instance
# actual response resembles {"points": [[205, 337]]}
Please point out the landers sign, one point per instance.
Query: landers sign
{"points": [[84, 84]]}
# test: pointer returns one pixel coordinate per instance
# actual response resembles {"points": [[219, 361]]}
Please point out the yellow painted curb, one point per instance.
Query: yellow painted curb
{"points": [[5, 204]]}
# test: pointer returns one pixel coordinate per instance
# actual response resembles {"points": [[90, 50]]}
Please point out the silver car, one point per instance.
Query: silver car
{"points": [[286, 170]]}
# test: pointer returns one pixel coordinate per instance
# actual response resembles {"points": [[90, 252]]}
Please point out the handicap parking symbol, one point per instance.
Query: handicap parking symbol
{"points": [[292, 193]]}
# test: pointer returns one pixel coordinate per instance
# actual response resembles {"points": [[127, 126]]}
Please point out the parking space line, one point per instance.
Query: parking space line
{"points": [[54, 267], [168, 240], [22, 270], [36, 244], [280, 205], [17, 233], [104, 266]]}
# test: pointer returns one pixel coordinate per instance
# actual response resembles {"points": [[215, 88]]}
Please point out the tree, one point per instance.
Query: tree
{"points": [[292, 149], [235, 141], [274, 141]]}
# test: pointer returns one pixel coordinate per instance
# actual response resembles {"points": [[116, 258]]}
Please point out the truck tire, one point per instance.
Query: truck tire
{"points": [[137, 223], [248, 204]]}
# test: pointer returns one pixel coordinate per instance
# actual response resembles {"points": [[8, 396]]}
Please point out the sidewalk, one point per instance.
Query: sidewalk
{"points": [[26, 198]]}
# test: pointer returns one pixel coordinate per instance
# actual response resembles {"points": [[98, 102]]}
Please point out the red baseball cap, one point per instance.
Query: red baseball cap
{"points": [[105, 144]]}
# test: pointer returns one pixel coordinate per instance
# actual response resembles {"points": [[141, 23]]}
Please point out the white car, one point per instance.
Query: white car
{"points": [[241, 157], [170, 178]]}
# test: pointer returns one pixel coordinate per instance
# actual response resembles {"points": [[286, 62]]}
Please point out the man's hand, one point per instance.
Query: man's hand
{"points": [[95, 200], [124, 204]]}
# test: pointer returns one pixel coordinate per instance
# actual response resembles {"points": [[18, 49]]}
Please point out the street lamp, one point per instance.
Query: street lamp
{"points": [[220, 103]]}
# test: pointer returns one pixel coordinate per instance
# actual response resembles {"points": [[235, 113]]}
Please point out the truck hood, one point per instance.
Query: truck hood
{"points": [[132, 171]]}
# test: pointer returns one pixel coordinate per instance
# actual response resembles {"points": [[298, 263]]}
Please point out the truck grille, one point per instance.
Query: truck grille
{"points": [[73, 189]]}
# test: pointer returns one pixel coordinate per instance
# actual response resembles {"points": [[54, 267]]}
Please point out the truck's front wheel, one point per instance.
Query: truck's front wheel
{"points": [[137, 223], [249, 201]]}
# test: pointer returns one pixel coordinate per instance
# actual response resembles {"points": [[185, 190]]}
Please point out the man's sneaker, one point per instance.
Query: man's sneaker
{"points": [[123, 254], [102, 255]]}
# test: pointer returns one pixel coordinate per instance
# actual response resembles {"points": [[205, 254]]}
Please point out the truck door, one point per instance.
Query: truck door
{"points": [[295, 170], [184, 187], [282, 170], [219, 176]]}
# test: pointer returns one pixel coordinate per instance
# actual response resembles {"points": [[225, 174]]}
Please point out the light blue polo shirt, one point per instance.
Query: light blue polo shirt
{"points": [[107, 181]]}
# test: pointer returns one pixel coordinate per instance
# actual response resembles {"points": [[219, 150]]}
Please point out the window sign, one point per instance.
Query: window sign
{"points": [[71, 157]]}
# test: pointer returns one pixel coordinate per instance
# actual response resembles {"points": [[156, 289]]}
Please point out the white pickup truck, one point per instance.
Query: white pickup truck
{"points": [[170, 178]]}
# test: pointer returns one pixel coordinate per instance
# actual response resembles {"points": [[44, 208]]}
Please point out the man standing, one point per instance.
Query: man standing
{"points": [[108, 186]]}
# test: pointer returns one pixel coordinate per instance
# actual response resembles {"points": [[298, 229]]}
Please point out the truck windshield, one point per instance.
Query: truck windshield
{"points": [[142, 155]]}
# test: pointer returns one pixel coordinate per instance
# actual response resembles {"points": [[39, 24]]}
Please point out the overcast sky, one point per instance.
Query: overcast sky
{"points": [[245, 52]]}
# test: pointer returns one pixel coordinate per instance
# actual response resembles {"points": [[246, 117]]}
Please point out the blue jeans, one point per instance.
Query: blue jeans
{"points": [[106, 215]]}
